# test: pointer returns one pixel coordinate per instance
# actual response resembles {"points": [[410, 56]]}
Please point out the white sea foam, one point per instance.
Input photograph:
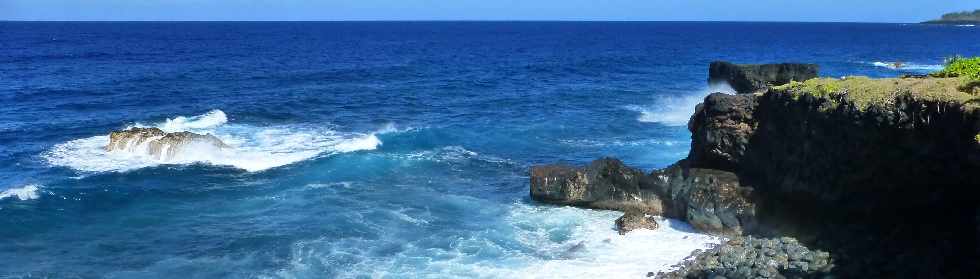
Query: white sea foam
{"points": [[552, 242], [677, 110], [908, 66], [253, 148], [209, 120], [596, 250], [27, 192]]}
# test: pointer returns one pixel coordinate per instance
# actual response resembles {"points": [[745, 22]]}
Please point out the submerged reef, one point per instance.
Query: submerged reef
{"points": [[881, 173]]}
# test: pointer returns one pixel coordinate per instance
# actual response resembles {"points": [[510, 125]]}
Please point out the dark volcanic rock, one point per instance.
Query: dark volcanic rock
{"points": [[634, 219], [605, 184], [721, 128], [893, 189], [711, 200], [751, 257], [758, 78]]}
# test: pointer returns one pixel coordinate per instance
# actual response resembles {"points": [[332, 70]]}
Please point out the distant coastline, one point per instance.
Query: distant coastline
{"points": [[958, 18]]}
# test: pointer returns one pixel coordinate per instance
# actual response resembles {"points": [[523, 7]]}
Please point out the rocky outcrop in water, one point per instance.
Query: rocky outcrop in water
{"points": [[634, 219], [757, 78], [159, 144], [710, 200], [605, 184]]}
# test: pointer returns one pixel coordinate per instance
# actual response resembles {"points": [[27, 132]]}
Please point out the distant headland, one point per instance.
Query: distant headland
{"points": [[965, 17]]}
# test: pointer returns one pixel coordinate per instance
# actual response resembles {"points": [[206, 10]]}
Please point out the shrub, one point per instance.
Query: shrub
{"points": [[961, 67]]}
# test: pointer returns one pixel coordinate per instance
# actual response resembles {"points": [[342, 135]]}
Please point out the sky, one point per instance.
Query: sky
{"points": [[331, 10]]}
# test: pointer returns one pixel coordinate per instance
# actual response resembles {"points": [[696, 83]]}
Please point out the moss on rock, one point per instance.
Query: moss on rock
{"points": [[865, 92]]}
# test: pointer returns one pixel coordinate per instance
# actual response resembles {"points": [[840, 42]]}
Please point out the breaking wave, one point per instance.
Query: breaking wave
{"points": [[27, 192], [908, 66], [253, 148], [676, 110], [533, 242]]}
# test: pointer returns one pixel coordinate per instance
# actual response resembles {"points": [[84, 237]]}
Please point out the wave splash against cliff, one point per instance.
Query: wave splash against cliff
{"points": [[249, 147], [676, 110]]}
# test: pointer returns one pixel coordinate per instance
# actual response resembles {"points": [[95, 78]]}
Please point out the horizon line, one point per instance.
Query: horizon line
{"points": [[458, 20]]}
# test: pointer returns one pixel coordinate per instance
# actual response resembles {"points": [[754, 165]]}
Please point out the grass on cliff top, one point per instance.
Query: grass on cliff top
{"points": [[865, 92]]}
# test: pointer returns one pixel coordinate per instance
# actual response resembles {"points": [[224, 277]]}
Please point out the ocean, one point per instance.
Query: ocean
{"points": [[369, 149]]}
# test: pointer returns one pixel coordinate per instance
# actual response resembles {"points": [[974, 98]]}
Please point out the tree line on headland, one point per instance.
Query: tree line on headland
{"points": [[958, 18]]}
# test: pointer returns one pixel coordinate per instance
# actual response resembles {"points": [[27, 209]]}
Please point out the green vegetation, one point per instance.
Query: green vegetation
{"points": [[959, 82], [865, 92], [960, 17], [961, 67]]}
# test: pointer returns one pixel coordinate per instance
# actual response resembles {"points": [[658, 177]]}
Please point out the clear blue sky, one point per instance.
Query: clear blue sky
{"points": [[722, 10]]}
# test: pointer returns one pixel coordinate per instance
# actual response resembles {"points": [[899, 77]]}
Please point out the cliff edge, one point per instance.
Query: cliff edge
{"points": [[881, 173]]}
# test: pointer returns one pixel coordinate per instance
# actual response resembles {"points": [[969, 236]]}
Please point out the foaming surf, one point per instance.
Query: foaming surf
{"points": [[532, 242], [27, 192], [593, 247], [677, 110], [907, 66], [252, 149]]}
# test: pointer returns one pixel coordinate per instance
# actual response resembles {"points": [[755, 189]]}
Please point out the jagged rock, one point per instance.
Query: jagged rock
{"points": [[157, 143], [120, 140], [634, 219], [721, 128], [757, 78], [890, 188], [711, 200], [604, 184]]}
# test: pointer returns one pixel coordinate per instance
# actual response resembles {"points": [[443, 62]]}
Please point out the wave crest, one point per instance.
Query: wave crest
{"points": [[908, 66], [28, 192], [251, 148]]}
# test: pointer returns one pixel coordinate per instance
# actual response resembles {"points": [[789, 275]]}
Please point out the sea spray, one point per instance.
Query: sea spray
{"points": [[251, 148], [676, 110], [27, 192]]}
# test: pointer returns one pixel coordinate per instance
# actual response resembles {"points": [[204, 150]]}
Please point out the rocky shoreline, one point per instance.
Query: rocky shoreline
{"points": [[839, 168]]}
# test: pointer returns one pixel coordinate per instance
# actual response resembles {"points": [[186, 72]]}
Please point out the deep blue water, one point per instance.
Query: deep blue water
{"points": [[375, 149]]}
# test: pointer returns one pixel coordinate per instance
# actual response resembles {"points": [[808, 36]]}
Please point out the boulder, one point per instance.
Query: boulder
{"points": [[634, 219], [605, 184], [759, 77]]}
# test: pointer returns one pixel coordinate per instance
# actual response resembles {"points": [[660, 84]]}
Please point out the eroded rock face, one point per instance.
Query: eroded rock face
{"points": [[157, 143], [634, 219], [758, 78], [605, 184], [711, 200], [121, 140], [721, 128]]}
